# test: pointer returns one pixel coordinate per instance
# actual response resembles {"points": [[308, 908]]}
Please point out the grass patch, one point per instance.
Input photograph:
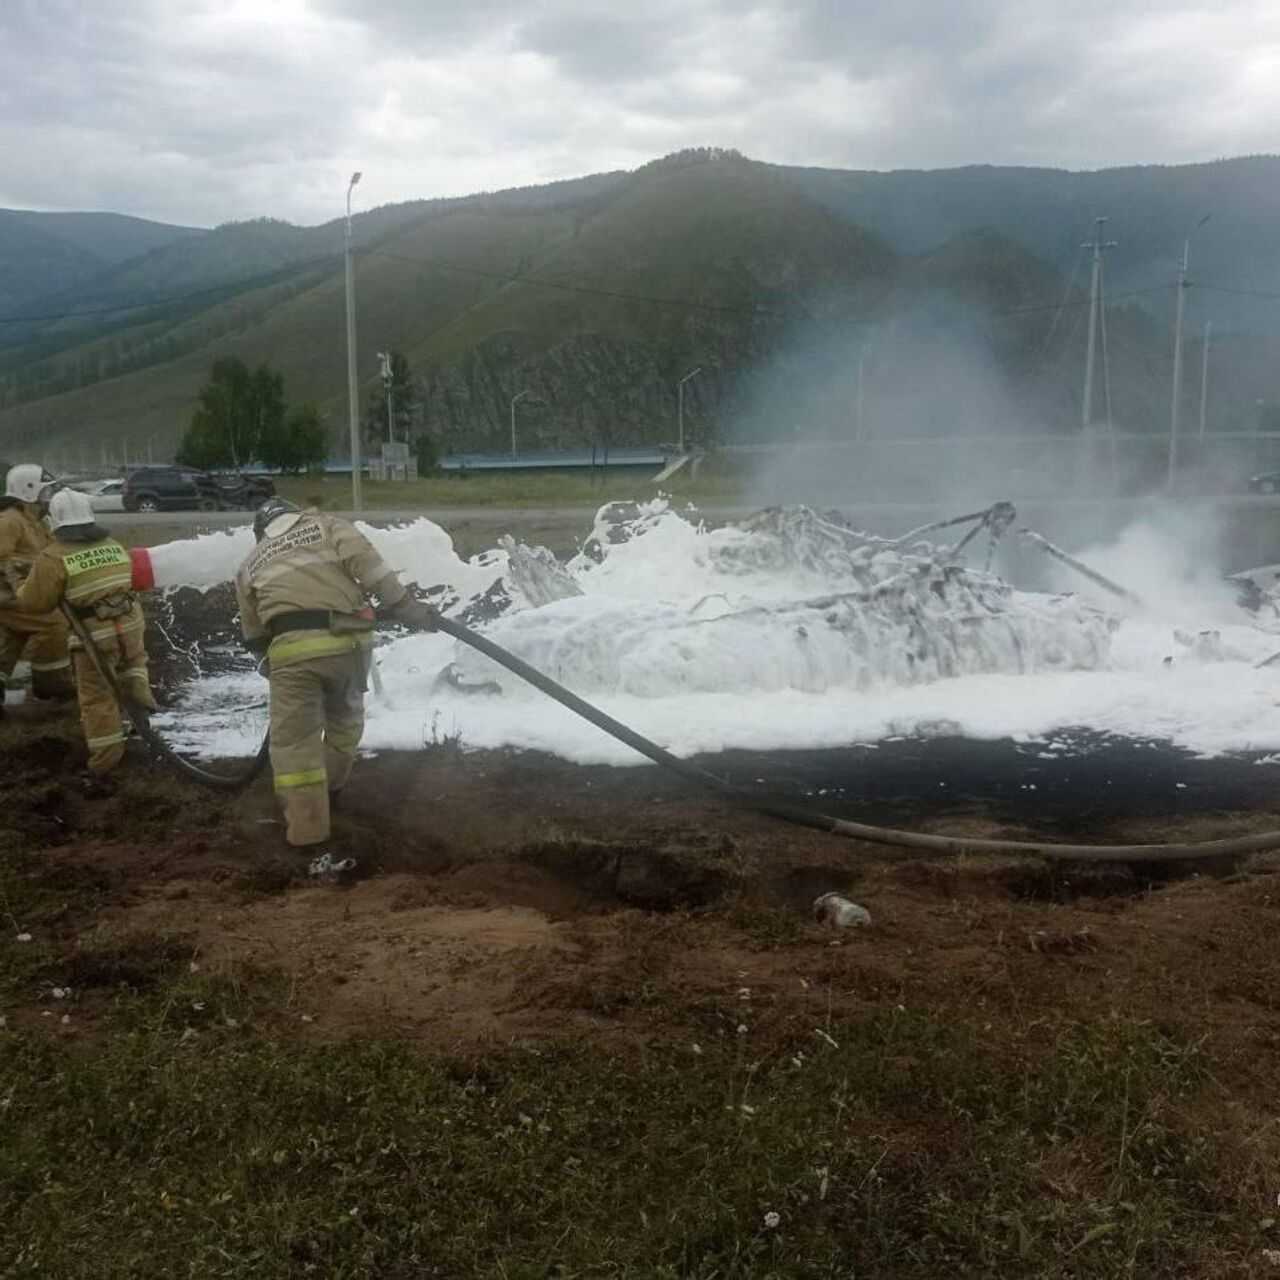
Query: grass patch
{"points": [[721, 483], [201, 1138]]}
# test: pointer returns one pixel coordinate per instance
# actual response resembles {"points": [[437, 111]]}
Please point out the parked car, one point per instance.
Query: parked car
{"points": [[1265, 482], [245, 493], [103, 495], [171, 489]]}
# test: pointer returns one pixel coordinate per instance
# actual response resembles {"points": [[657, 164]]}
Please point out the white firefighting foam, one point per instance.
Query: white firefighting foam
{"points": [[785, 632]]}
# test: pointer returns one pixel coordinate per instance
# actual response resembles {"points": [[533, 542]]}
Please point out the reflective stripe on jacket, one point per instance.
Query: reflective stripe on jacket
{"points": [[82, 574], [322, 563]]}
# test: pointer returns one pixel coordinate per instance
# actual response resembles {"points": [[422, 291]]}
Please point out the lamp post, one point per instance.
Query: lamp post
{"points": [[1183, 286], [520, 396], [353, 394], [693, 373]]}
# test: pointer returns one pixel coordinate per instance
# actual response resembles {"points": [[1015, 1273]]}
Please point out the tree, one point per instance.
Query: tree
{"points": [[238, 409], [404, 400], [425, 452], [297, 444]]}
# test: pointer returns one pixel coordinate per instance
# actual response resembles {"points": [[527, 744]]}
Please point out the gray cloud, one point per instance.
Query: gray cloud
{"points": [[204, 110]]}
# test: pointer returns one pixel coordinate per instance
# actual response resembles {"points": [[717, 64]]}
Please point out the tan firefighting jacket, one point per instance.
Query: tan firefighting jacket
{"points": [[94, 578], [21, 537], [323, 564]]}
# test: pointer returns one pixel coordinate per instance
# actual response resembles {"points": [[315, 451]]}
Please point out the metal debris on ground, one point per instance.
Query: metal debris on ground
{"points": [[327, 869], [838, 912]]}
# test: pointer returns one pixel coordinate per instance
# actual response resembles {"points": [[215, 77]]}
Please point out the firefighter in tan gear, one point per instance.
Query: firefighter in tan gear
{"points": [[22, 537], [89, 571], [304, 602]]}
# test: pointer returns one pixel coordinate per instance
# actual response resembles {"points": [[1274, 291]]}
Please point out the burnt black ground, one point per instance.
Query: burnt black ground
{"points": [[1084, 780]]}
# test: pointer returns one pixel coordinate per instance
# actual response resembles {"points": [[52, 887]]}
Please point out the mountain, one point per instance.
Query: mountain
{"points": [[43, 254], [959, 294], [1150, 209], [728, 238]]}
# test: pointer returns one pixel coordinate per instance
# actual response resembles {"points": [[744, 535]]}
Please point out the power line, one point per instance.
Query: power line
{"points": [[688, 303], [507, 278], [1240, 293]]}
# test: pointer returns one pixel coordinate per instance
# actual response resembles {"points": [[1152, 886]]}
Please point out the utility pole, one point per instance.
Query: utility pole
{"points": [[353, 393], [860, 395], [514, 399], [1204, 374], [1183, 286], [680, 410], [1177, 364], [1099, 246], [384, 359]]}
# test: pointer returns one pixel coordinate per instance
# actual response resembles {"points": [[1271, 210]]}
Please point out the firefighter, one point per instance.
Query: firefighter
{"points": [[22, 537], [303, 595], [86, 569]]}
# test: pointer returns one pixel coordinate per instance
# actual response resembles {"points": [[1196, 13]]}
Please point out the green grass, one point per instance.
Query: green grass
{"points": [[198, 1125], [532, 489], [202, 1137]]}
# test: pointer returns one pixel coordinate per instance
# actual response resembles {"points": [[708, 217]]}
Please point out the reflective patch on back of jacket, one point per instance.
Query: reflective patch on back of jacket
{"points": [[106, 555], [304, 536]]}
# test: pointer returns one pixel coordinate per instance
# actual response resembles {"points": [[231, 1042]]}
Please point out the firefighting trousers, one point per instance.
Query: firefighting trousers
{"points": [[121, 649], [317, 719], [44, 638]]}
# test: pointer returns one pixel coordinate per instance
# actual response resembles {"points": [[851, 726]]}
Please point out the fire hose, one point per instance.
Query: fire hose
{"points": [[141, 721], [1234, 847]]}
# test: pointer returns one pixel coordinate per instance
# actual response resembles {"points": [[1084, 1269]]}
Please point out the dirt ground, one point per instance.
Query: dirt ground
{"points": [[506, 896], [1013, 1069]]}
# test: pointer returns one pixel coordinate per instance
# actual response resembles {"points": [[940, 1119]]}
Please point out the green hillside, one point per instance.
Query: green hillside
{"points": [[596, 296], [726, 236]]}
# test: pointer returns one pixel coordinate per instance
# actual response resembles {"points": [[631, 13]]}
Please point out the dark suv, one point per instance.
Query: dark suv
{"points": [[171, 489]]}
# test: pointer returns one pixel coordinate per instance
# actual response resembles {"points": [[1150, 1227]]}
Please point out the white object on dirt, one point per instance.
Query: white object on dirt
{"points": [[326, 869], [839, 913]]}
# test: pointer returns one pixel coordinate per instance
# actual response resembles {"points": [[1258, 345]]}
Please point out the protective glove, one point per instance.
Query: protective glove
{"points": [[258, 645], [416, 614]]}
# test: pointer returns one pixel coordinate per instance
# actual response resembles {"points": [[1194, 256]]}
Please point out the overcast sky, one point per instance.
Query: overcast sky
{"points": [[200, 111]]}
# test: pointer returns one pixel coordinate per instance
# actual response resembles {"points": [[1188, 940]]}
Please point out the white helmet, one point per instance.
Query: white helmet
{"points": [[69, 507], [26, 482]]}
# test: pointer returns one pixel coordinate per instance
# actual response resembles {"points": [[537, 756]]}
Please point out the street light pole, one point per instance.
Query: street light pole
{"points": [[680, 410], [1204, 374], [514, 398], [353, 394]]}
